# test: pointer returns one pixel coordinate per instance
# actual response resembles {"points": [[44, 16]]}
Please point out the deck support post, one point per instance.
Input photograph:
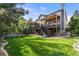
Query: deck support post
{"points": [[56, 24]]}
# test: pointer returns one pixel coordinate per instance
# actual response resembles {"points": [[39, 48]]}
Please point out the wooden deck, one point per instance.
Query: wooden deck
{"points": [[52, 26]]}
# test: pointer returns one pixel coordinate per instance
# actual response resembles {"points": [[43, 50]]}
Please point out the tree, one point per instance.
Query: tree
{"points": [[22, 24], [29, 23], [74, 24], [9, 15], [77, 30], [76, 13]]}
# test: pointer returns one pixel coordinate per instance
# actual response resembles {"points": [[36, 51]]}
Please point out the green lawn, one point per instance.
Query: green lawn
{"points": [[33, 45]]}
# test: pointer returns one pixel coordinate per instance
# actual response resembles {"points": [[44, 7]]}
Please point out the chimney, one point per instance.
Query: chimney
{"points": [[62, 18]]}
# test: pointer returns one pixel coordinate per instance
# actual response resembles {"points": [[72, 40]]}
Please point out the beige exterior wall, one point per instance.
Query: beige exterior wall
{"points": [[49, 20]]}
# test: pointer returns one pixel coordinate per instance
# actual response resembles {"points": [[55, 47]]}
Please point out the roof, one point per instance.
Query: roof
{"points": [[41, 17]]}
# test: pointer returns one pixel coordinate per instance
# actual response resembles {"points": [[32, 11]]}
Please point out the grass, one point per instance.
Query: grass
{"points": [[33, 45]]}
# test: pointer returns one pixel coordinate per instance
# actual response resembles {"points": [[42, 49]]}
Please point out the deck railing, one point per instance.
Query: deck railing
{"points": [[52, 25]]}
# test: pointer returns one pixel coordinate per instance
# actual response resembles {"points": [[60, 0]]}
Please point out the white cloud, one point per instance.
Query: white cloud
{"points": [[26, 7], [36, 13], [30, 9], [68, 17], [43, 8], [33, 13]]}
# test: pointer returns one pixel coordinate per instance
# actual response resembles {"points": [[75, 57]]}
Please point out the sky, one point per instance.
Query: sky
{"points": [[35, 9]]}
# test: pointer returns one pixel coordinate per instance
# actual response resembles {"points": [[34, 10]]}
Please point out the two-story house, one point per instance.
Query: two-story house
{"points": [[54, 23]]}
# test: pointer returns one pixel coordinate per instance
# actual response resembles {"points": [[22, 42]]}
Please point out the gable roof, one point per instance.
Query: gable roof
{"points": [[52, 14], [42, 16]]}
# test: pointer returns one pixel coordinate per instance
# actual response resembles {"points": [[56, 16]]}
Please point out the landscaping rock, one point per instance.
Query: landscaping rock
{"points": [[14, 35]]}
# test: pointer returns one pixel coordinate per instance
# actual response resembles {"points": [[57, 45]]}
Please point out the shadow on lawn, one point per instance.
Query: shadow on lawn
{"points": [[39, 48], [13, 48], [47, 49]]}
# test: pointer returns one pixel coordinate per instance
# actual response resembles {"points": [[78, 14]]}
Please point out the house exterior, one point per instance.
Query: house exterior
{"points": [[53, 23]]}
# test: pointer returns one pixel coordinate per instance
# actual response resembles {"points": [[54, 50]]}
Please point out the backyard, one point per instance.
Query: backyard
{"points": [[26, 32], [33, 45]]}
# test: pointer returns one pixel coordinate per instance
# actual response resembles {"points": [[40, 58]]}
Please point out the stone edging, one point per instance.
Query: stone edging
{"points": [[4, 44], [2, 48], [76, 46]]}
